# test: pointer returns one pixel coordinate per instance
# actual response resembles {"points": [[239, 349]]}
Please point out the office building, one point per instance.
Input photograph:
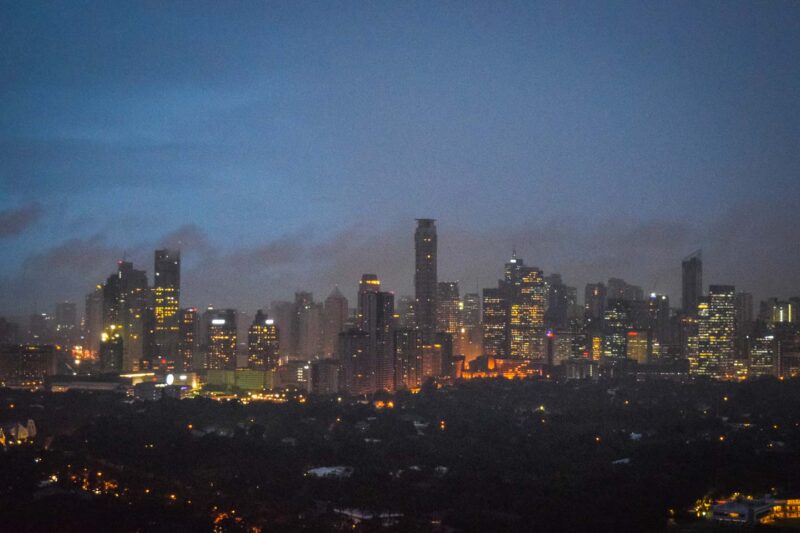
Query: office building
{"points": [[188, 339], [166, 303], [448, 314], [425, 277], [336, 313], [263, 343], [219, 341], [692, 283]]}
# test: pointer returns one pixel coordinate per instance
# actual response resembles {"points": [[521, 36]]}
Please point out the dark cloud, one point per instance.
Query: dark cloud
{"points": [[752, 255], [15, 221]]}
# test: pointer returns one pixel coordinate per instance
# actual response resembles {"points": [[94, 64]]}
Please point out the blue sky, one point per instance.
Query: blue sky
{"points": [[289, 145]]}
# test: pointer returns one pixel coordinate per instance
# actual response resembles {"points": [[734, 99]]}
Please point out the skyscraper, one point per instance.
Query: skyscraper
{"points": [[448, 313], [358, 370], [425, 277], [262, 343], [594, 301], [716, 328], [166, 302], [407, 358], [660, 324], [368, 285], [335, 315], [188, 338], [66, 322], [93, 320], [692, 283], [126, 299], [220, 339], [495, 319], [616, 326]]}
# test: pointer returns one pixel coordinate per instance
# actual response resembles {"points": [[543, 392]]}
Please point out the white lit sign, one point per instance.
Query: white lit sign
{"points": [[170, 379], [218, 321]]}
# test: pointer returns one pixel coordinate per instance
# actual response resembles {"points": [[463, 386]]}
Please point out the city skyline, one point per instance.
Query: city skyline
{"points": [[287, 148], [249, 300]]}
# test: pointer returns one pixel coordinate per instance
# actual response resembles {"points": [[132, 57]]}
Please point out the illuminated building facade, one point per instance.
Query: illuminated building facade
{"points": [[469, 340], [495, 319], [407, 358], [526, 295], [425, 277], [616, 325], [26, 364], [220, 339], [716, 327], [448, 314], [111, 351], [763, 354], [166, 303], [432, 360], [367, 286], [126, 299], [638, 346], [692, 283], [188, 338], [262, 343], [660, 324]]}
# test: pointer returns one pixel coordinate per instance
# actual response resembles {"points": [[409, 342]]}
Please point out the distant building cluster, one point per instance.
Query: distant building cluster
{"points": [[530, 323]]}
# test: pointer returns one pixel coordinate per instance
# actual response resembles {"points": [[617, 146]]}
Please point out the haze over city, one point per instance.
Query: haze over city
{"points": [[289, 146]]}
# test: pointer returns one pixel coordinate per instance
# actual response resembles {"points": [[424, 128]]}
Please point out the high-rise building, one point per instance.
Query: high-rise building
{"points": [[763, 351], [220, 339], [595, 301], [448, 314], [716, 328], [405, 312], [369, 284], [335, 314], [469, 341], [495, 320], [166, 303], [616, 326], [692, 283], [283, 312], [111, 351], [310, 330], [93, 320], [408, 358], [561, 301], [262, 343], [358, 369], [660, 324], [126, 299], [425, 277], [525, 295], [619, 289], [782, 312], [637, 346], [376, 311], [66, 323], [188, 339]]}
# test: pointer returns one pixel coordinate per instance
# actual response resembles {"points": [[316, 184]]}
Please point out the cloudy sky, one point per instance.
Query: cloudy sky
{"points": [[290, 145]]}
